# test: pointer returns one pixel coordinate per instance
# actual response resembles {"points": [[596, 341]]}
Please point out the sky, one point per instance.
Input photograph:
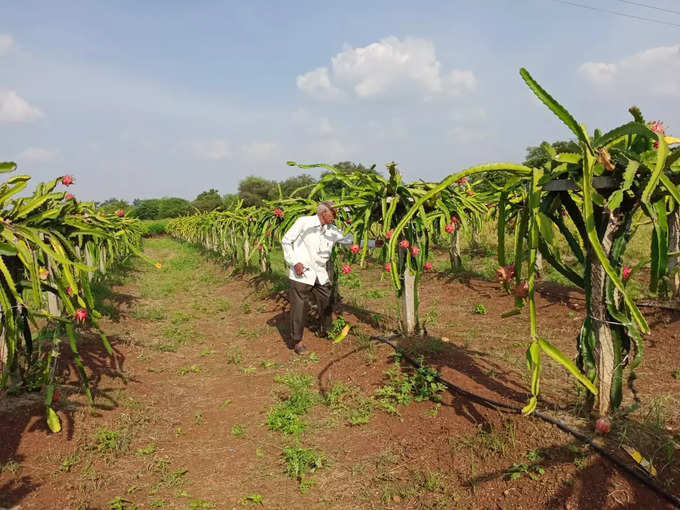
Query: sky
{"points": [[171, 98]]}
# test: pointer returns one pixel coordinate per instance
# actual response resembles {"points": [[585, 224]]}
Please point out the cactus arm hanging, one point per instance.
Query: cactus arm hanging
{"points": [[501, 228], [533, 351], [661, 155], [448, 181]]}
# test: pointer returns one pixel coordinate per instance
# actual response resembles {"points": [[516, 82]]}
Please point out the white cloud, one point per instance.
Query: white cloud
{"points": [[317, 84], [390, 67], [470, 126], [312, 125], [655, 71], [325, 127], [37, 155], [214, 150], [6, 44], [14, 108], [261, 151]]}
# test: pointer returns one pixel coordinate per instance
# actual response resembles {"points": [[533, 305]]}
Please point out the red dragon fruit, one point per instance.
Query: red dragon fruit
{"points": [[81, 314]]}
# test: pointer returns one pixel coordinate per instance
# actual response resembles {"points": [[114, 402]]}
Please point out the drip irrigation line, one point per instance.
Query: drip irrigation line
{"points": [[644, 479]]}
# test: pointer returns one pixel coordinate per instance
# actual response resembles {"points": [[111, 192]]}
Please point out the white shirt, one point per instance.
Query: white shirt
{"points": [[310, 243]]}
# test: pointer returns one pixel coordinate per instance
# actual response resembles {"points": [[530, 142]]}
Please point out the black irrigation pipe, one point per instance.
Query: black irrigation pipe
{"points": [[649, 482]]}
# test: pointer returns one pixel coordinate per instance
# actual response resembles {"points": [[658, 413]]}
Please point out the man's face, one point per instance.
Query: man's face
{"points": [[327, 217]]}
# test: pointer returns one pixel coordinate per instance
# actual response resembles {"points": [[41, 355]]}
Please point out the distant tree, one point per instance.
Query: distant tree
{"points": [[173, 207], [112, 205], [346, 167], [255, 190], [229, 200], [145, 209], [208, 200], [303, 183], [537, 156]]}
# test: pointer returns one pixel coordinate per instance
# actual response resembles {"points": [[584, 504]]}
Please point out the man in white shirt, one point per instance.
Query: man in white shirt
{"points": [[307, 247]]}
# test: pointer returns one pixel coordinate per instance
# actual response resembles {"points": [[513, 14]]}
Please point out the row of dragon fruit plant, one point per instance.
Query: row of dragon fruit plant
{"points": [[51, 248], [592, 201]]}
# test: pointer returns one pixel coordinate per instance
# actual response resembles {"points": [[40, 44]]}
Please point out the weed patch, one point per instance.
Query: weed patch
{"points": [[286, 416], [484, 442], [355, 408], [404, 387], [300, 462], [234, 355]]}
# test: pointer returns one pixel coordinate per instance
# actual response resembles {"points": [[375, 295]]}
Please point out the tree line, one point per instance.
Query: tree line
{"points": [[252, 190]]}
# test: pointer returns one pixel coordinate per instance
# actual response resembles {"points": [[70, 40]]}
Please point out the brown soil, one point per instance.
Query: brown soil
{"points": [[453, 456]]}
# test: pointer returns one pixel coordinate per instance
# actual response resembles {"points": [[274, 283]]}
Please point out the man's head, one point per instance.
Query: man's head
{"points": [[326, 212]]}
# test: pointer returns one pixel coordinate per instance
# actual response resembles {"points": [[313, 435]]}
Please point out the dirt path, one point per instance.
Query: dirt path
{"points": [[201, 376]]}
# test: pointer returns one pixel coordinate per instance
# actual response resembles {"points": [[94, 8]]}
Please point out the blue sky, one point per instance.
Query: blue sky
{"points": [[149, 99]]}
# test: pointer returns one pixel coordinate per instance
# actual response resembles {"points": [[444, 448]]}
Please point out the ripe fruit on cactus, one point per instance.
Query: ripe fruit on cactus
{"points": [[388, 266], [348, 221], [259, 248], [404, 244], [626, 272], [521, 290], [346, 269], [68, 196], [268, 234], [67, 180], [415, 250], [657, 126], [354, 248], [81, 314], [462, 181], [120, 213], [454, 220], [504, 274], [427, 266], [603, 425], [278, 213], [450, 227], [388, 235]]}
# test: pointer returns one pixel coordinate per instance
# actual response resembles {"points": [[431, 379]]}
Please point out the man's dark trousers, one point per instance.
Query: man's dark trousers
{"points": [[298, 293]]}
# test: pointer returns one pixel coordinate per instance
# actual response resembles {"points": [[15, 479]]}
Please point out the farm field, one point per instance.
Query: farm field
{"points": [[203, 405]]}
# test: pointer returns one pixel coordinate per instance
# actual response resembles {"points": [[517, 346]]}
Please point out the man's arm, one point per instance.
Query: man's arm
{"points": [[341, 238], [287, 241]]}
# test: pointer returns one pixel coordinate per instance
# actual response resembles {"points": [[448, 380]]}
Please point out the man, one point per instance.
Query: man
{"points": [[307, 247]]}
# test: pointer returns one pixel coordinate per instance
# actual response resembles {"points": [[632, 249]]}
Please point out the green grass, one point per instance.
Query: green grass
{"points": [[402, 387], [234, 355], [238, 430], [301, 462], [286, 416], [111, 441], [348, 402]]}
